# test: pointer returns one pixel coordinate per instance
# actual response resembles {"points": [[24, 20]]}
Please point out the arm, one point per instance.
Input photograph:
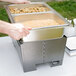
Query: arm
{"points": [[16, 1], [16, 30]]}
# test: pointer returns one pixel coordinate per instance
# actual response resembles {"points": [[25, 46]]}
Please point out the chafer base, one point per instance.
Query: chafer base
{"points": [[40, 52]]}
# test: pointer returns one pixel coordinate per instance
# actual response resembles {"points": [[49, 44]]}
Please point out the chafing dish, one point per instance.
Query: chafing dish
{"points": [[44, 44]]}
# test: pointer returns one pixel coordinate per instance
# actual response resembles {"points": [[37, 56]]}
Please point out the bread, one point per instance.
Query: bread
{"points": [[28, 10]]}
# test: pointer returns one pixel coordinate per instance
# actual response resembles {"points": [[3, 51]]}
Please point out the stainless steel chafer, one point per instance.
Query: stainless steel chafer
{"points": [[43, 44]]}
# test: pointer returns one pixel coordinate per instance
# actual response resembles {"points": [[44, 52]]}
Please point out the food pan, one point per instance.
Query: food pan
{"points": [[51, 27], [43, 20], [33, 7]]}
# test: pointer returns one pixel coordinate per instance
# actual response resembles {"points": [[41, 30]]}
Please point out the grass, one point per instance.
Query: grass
{"points": [[65, 8], [4, 17]]}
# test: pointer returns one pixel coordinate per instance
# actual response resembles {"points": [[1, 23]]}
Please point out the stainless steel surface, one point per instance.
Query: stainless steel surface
{"points": [[44, 34], [54, 49], [39, 52], [32, 56]]}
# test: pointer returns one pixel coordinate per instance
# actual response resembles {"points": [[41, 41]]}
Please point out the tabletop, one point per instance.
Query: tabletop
{"points": [[10, 64]]}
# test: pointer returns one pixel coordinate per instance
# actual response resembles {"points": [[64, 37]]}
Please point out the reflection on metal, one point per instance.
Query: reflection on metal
{"points": [[39, 52]]}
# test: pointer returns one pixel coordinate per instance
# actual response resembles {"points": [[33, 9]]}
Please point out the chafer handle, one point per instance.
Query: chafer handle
{"points": [[20, 41], [70, 31]]}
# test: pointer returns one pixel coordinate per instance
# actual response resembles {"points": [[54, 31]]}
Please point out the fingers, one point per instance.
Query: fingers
{"points": [[23, 2], [17, 35], [24, 32], [14, 34], [18, 31]]}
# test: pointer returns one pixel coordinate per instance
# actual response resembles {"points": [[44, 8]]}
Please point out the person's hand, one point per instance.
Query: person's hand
{"points": [[17, 1], [17, 31]]}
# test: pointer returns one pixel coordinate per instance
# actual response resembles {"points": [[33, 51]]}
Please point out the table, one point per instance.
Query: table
{"points": [[10, 64]]}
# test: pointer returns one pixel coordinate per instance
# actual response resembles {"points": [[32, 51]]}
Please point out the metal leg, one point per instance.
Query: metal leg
{"points": [[29, 67]]}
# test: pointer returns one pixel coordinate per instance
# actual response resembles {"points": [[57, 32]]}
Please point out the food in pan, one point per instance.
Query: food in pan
{"points": [[39, 20], [40, 23], [15, 10]]}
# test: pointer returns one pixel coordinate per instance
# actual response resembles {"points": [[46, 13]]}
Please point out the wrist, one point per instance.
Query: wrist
{"points": [[4, 27], [8, 27]]}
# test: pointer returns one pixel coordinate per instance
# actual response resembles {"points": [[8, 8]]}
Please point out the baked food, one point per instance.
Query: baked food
{"points": [[14, 10]]}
